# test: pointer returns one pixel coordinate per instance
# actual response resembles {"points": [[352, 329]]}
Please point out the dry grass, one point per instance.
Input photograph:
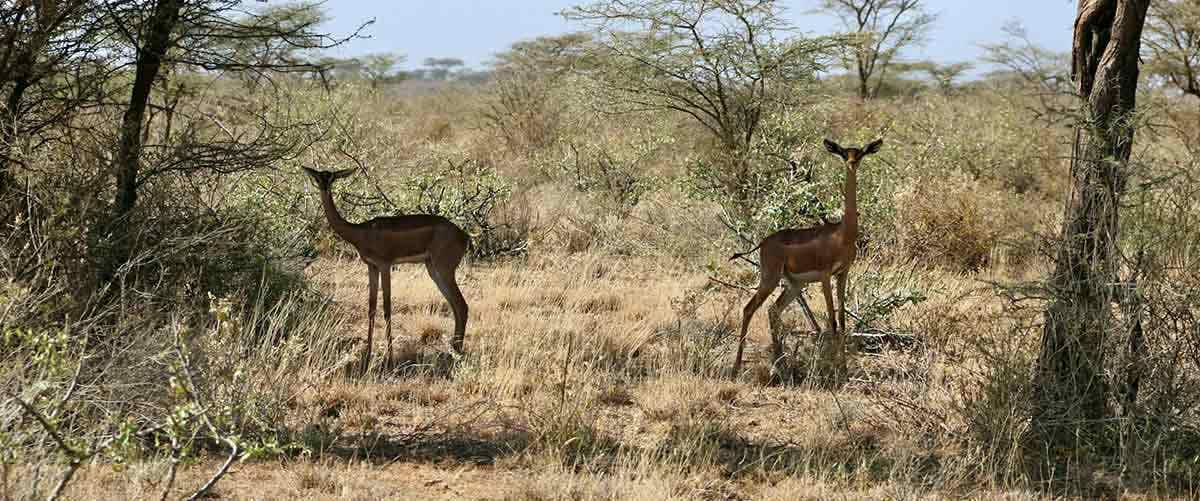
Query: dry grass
{"points": [[575, 388], [584, 381]]}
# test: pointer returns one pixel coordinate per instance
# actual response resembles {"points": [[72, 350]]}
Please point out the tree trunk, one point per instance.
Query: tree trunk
{"points": [[157, 40], [1070, 395], [149, 62], [864, 78]]}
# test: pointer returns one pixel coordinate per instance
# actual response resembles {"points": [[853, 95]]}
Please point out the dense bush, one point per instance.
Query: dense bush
{"points": [[471, 194], [951, 220], [777, 185]]}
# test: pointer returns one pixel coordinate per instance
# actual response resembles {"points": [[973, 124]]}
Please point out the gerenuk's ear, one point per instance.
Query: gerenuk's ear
{"points": [[343, 173], [833, 147], [873, 147]]}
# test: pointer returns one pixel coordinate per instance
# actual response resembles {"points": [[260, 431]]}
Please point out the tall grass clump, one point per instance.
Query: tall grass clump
{"points": [[952, 220]]}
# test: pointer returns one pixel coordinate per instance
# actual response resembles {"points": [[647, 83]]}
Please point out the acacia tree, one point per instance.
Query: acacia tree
{"points": [[1018, 56], [526, 80], [204, 35], [554, 55], [214, 36], [883, 28], [1172, 54], [48, 55], [1020, 62], [943, 75], [442, 68], [1070, 393], [725, 64], [1173, 43], [722, 63], [378, 68]]}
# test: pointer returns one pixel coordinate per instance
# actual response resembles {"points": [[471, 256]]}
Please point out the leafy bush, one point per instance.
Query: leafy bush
{"points": [[475, 197], [878, 295], [172, 389], [619, 175], [770, 188]]}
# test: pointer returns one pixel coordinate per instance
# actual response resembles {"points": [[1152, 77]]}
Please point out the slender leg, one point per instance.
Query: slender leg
{"points": [[812, 319], [385, 276], [768, 281], [748, 313], [832, 356], [827, 290], [774, 313], [841, 299], [372, 296], [443, 274]]}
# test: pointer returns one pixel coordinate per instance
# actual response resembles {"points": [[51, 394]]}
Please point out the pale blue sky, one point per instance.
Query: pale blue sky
{"points": [[475, 29]]}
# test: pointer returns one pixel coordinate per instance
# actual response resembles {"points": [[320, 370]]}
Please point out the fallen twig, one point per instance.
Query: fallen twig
{"points": [[234, 450]]}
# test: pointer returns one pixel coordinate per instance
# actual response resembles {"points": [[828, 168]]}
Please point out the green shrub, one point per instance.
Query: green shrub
{"points": [[772, 187], [618, 178], [470, 193]]}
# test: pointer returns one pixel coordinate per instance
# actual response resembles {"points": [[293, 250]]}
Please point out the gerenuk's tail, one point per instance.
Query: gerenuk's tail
{"points": [[751, 251]]}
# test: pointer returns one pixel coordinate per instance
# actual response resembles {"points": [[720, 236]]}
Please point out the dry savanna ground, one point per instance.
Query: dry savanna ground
{"points": [[599, 356], [586, 380]]}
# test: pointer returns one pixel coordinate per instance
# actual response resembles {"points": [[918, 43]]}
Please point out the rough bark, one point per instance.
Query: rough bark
{"points": [[1070, 394]]}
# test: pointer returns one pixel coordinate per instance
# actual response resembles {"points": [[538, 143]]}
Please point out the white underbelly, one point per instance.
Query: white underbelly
{"points": [[418, 258], [804, 278]]}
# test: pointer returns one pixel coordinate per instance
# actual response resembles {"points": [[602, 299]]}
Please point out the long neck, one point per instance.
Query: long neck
{"points": [[850, 211], [339, 224]]}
